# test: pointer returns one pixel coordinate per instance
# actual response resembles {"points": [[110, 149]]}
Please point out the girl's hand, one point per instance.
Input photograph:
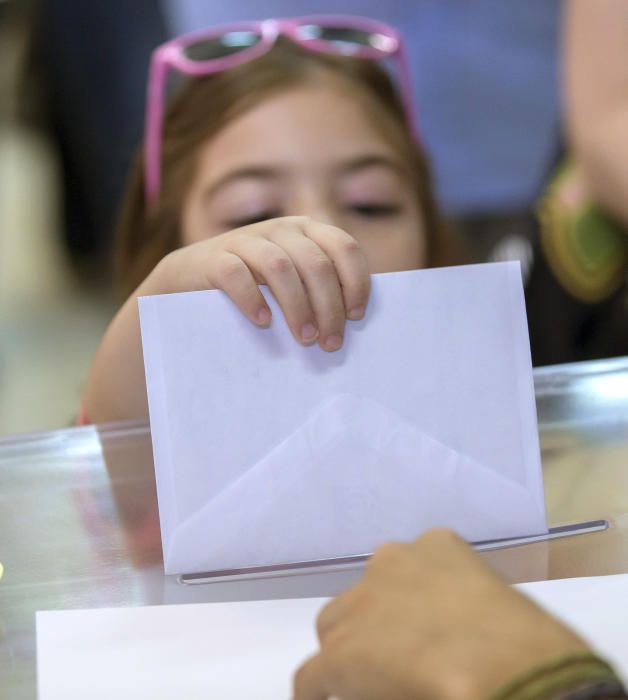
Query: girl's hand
{"points": [[317, 272]]}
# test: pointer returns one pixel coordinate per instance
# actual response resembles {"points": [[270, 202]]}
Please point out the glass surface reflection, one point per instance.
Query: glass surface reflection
{"points": [[79, 522]]}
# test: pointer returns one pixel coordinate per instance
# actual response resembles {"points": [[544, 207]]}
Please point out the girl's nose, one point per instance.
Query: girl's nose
{"points": [[316, 205]]}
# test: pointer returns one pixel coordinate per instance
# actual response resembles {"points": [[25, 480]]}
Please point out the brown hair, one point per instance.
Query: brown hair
{"points": [[205, 105]]}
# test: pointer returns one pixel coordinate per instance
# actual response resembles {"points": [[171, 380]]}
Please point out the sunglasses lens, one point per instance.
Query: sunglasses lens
{"points": [[347, 39], [221, 46]]}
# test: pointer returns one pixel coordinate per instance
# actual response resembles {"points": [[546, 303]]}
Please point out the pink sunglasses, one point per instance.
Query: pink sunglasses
{"points": [[220, 48]]}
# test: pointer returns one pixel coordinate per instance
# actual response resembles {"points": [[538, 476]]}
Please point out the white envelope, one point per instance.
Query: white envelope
{"points": [[269, 453]]}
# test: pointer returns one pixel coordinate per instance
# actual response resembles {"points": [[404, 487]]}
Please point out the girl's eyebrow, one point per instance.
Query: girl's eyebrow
{"points": [[268, 172], [258, 172], [371, 160]]}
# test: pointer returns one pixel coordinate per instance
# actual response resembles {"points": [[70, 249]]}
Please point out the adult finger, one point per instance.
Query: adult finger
{"points": [[442, 547], [333, 613], [310, 682]]}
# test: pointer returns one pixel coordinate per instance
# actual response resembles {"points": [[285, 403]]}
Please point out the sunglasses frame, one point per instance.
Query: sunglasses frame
{"points": [[171, 56]]}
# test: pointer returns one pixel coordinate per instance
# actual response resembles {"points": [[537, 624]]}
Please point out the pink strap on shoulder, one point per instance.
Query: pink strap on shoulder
{"points": [[83, 418]]}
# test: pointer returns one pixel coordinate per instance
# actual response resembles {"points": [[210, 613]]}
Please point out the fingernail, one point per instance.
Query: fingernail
{"points": [[356, 313], [263, 317], [333, 342], [309, 333]]}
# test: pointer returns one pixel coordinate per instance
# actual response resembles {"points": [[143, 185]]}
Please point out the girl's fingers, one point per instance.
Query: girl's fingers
{"points": [[350, 263], [321, 283], [317, 273], [231, 274], [272, 265]]}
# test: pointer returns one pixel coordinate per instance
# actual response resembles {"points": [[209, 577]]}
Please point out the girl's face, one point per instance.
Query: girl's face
{"points": [[309, 151]]}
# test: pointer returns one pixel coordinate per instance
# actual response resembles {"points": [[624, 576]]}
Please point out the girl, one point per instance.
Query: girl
{"points": [[287, 160]]}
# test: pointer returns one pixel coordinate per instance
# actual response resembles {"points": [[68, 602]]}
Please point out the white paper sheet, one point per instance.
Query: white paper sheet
{"points": [[239, 651], [267, 452]]}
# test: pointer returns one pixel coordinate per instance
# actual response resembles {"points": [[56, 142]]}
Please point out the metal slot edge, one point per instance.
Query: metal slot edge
{"points": [[301, 568]]}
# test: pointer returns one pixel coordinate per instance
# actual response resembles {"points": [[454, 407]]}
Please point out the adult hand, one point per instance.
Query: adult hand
{"points": [[429, 620], [318, 274]]}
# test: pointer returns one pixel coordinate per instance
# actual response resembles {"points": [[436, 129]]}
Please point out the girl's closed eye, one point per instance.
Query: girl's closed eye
{"points": [[242, 198], [375, 210], [372, 191], [248, 220]]}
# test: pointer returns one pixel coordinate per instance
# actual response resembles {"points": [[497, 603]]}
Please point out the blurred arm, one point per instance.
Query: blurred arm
{"points": [[595, 56]]}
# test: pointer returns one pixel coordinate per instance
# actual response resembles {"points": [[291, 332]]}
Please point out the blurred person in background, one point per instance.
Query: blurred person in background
{"points": [[596, 98], [577, 294], [87, 61]]}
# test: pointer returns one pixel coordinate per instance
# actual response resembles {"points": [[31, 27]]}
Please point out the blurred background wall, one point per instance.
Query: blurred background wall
{"points": [[50, 320]]}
